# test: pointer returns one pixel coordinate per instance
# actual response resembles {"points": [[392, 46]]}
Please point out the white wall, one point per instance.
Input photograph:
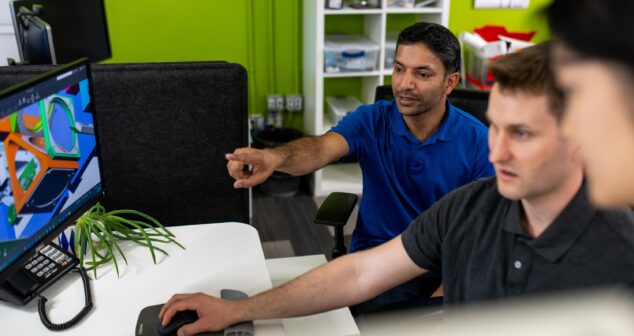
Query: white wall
{"points": [[8, 46]]}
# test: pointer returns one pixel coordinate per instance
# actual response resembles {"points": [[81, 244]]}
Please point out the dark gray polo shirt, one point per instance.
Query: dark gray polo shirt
{"points": [[474, 237]]}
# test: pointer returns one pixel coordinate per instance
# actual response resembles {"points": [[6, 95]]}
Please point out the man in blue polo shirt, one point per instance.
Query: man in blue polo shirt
{"points": [[412, 150]]}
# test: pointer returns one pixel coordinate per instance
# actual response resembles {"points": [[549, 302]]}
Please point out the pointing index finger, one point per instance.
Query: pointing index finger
{"points": [[241, 157]]}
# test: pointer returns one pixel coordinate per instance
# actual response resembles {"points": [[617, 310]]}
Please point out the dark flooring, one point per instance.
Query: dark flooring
{"points": [[290, 219]]}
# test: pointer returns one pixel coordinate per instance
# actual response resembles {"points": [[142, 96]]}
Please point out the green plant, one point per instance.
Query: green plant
{"points": [[97, 232]]}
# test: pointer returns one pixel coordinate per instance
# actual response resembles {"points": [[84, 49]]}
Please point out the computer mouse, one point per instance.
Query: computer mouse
{"points": [[178, 320]]}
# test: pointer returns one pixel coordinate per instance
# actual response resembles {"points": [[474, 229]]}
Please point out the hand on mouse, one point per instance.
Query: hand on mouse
{"points": [[213, 313]]}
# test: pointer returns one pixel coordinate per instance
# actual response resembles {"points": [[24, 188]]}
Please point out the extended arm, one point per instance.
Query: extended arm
{"points": [[342, 282], [297, 157]]}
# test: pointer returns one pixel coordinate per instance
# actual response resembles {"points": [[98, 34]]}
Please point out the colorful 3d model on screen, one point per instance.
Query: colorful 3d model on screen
{"points": [[40, 162]]}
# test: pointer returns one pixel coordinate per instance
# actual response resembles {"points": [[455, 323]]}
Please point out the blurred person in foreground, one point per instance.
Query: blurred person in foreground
{"points": [[593, 60]]}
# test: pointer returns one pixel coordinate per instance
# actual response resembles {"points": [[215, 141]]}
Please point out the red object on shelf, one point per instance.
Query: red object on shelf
{"points": [[471, 80], [492, 33]]}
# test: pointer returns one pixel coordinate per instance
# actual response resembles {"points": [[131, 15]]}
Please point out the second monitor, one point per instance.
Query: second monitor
{"points": [[58, 32]]}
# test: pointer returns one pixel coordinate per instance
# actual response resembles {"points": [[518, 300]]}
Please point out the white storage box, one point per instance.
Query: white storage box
{"points": [[349, 53], [390, 49], [339, 107]]}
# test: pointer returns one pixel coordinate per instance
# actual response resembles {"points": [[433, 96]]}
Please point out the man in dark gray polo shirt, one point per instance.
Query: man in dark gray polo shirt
{"points": [[529, 230], [476, 237]]}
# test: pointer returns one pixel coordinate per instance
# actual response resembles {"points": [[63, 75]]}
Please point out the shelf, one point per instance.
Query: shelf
{"points": [[327, 125], [352, 11], [373, 23], [351, 74], [343, 177], [424, 10]]}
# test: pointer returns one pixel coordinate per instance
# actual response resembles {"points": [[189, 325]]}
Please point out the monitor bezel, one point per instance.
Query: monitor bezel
{"points": [[19, 262]]}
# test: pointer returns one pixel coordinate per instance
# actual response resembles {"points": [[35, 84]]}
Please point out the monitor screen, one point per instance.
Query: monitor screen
{"points": [[49, 164], [79, 29]]}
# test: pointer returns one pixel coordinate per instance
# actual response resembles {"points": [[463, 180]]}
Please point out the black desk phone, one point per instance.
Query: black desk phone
{"points": [[46, 266]]}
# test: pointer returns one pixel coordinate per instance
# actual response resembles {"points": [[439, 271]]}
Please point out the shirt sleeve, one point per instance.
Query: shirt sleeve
{"points": [[423, 239], [355, 128]]}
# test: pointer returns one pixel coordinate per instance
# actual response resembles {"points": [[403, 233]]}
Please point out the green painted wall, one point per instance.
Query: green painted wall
{"points": [[262, 35]]}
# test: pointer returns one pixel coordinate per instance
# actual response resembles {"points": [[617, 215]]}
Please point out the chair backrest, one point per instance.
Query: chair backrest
{"points": [[472, 101], [163, 130]]}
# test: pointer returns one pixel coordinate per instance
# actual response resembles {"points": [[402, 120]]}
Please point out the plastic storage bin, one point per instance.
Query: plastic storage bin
{"points": [[401, 3], [478, 73], [349, 53], [390, 49], [339, 107]]}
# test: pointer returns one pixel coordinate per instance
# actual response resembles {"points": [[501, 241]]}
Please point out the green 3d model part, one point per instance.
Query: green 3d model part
{"points": [[11, 214], [59, 127], [28, 174]]}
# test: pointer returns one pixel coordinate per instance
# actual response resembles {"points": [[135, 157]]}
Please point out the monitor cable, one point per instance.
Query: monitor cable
{"points": [[84, 311]]}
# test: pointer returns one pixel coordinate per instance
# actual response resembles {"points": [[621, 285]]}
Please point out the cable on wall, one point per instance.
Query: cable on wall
{"points": [[271, 47], [251, 53]]}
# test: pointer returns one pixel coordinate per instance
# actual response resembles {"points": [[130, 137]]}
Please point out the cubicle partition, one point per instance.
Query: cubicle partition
{"points": [[163, 130]]}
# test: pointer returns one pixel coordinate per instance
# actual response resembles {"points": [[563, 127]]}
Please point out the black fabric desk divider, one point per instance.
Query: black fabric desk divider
{"points": [[163, 130]]}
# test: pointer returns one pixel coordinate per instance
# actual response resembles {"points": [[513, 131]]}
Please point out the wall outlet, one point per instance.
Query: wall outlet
{"points": [[279, 103], [257, 122], [270, 100], [299, 103], [294, 103], [290, 103]]}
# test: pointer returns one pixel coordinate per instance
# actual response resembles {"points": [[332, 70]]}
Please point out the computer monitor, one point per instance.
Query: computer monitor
{"points": [[34, 37], [78, 28], [49, 163]]}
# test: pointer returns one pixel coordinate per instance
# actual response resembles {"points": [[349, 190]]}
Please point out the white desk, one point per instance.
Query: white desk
{"points": [[226, 255], [336, 322]]}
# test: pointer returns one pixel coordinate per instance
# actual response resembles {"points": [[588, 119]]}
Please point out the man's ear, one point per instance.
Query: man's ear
{"points": [[451, 82], [573, 148]]}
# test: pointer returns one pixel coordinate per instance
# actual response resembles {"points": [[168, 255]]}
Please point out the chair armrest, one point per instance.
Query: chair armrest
{"points": [[336, 209]]}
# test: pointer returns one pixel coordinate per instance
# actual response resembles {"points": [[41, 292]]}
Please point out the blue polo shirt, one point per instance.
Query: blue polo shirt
{"points": [[402, 176]]}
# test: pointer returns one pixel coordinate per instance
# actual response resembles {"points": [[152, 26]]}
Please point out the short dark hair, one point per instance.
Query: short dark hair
{"points": [[595, 28], [529, 70], [438, 39]]}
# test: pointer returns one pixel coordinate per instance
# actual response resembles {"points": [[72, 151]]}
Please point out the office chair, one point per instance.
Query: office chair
{"points": [[335, 212], [163, 130], [336, 209]]}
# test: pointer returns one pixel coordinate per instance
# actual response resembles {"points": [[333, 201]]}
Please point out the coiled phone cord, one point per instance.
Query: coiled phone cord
{"points": [[82, 313]]}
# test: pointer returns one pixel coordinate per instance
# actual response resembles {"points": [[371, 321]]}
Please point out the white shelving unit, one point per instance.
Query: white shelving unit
{"points": [[347, 177], [8, 45]]}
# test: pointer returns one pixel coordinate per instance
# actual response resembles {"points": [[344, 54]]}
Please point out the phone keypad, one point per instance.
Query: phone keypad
{"points": [[47, 262]]}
